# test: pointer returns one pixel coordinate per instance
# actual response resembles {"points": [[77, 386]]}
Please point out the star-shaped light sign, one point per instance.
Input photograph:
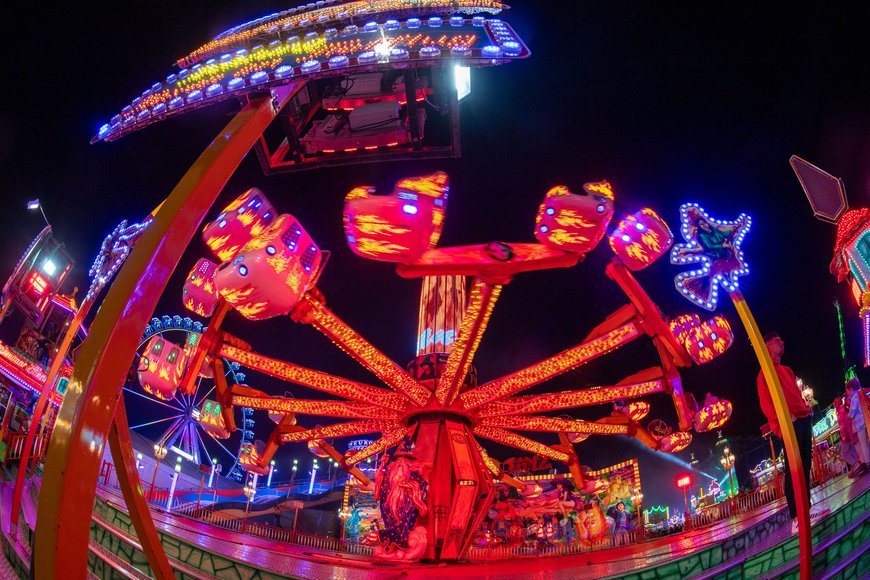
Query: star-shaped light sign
{"points": [[714, 246]]}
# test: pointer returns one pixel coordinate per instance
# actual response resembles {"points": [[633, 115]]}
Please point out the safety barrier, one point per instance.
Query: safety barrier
{"points": [[529, 550]]}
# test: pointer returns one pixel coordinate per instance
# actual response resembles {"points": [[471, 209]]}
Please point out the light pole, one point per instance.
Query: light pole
{"points": [[313, 474], [250, 490], [271, 471], [172, 485], [34, 204], [213, 469], [216, 483], [159, 453], [637, 501], [727, 461]]}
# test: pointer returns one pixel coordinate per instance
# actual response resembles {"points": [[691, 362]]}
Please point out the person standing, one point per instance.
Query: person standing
{"points": [[801, 417], [847, 439], [859, 426]]}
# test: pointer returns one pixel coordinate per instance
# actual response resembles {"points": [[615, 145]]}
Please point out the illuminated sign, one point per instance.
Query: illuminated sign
{"points": [[684, 480]]}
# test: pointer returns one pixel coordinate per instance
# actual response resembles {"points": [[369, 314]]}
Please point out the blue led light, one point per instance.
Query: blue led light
{"points": [[430, 51], [511, 48], [155, 87], [171, 78], [625, 238], [459, 50], [283, 71], [330, 32], [338, 61], [226, 57], [310, 66], [271, 250], [350, 29], [398, 54], [435, 22], [367, 57], [243, 270], [222, 223], [183, 73], [639, 226], [310, 35], [259, 77], [457, 21], [550, 211], [413, 23], [158, 108], [236, 83], [391, 24], [544, 229], [213, 90], [478, 20], [491, 51], [194, 96], [370, 26], [409, 208], [103, 130], [175, 102], [143, 115], [713, 336], [700, 344], [257, 48], [600, 209]]}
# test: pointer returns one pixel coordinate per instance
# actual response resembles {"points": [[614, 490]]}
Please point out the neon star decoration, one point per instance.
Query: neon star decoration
{"points": [[713, 246], [113, 252]]}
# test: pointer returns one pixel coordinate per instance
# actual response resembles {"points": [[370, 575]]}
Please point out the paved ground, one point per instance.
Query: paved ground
{"points": [[297, 561]]}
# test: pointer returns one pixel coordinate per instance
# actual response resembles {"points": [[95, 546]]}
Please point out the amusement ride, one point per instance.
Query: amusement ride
{"points": [[337, 83]]}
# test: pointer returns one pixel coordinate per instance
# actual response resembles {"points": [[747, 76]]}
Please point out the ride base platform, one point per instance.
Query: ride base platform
{"points": [[754, 545]]}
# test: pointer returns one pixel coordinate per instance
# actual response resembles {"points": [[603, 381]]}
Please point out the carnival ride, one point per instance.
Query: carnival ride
{"points": [[188, 423], [291, 71], [271, 266]]}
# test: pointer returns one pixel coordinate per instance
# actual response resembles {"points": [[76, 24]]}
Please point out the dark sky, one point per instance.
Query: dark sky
{"points": [[671, 102]]}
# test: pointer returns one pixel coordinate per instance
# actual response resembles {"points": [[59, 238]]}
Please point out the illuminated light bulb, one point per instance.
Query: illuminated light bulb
{"points": [[391, 24], [194, 96], [491, 51], [214, 89], [103, 130], [430, 51], [183, 73], [367, 57], [174, 103], [350, 29], [259, 77], [511, 48], [398, 54], [310, 66], [460, 50], [409, 209], [143, 115], [158, 108], [478, 21], [626, 238], [330, 32], [311, 35], [435, 22], [283, 71], [338, 61], [457, 21], [413, 23], [544, 229], [370, 26]]}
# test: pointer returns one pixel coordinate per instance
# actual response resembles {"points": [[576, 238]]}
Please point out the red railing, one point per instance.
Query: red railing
{"points": [[534, 550]]}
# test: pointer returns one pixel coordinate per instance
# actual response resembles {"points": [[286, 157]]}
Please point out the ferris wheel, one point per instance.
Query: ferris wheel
{"points": [[187, 423]]}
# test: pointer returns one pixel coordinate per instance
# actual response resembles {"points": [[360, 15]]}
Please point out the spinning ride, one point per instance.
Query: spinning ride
{"points": [[436, 405], [190, 423]]}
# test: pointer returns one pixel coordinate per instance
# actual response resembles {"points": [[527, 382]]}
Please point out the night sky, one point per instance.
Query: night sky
{"points": [[671, 102]]}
